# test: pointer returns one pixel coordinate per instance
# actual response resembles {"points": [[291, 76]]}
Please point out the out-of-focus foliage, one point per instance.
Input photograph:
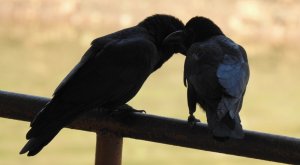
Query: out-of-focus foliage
{"points": [[41, 40]]}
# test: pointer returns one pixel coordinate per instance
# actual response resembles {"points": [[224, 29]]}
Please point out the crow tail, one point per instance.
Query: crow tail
{"points": [[47, 123], [36, 144]]}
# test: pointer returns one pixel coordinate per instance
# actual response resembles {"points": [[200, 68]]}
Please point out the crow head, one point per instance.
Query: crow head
{"points": [[199, 29], [159, 26]]}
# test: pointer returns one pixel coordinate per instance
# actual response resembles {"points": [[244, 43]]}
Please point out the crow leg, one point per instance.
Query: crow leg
{"points": [[191, 96]]}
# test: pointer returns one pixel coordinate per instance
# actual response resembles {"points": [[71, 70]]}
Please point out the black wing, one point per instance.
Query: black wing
{"points": [[233, 75], [113, 75], [105, 77], [118, 67]]}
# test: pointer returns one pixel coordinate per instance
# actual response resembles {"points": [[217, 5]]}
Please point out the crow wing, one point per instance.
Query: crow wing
{"points": [[110, 76], [103, 74], [233, 74]]}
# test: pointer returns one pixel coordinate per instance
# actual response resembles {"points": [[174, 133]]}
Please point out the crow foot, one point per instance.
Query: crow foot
{"points": [[128, 109], [125, 111], [192, 120]]}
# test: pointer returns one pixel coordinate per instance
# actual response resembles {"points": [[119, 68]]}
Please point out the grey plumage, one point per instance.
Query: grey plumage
{"points": [[216, 74]]}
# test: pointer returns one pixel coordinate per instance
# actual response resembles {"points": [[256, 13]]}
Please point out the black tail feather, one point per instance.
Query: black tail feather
{"points": [[225, 128], [35, 145], [47, 123]]}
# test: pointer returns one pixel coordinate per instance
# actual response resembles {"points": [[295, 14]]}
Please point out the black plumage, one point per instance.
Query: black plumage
{"points": [[109, 74], [216, 74]]}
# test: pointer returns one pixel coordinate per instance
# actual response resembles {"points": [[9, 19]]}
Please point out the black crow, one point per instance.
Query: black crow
{"points": [[109, 74], [216, 74]]}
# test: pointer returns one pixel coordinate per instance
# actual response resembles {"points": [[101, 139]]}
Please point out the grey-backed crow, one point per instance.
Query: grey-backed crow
{"points": [[216, 74]]}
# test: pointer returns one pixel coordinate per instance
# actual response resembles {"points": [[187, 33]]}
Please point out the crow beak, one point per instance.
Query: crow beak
{"points": [[176, 39]]}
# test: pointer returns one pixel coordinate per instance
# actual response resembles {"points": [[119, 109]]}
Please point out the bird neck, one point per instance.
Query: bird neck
{"points": [[159, 27]]}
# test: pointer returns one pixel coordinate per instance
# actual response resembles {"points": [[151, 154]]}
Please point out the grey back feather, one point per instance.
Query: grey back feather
{"points": [[233, 72]]}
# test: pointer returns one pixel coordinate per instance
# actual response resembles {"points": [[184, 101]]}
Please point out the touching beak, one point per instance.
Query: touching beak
{"points": [[176, 39]]}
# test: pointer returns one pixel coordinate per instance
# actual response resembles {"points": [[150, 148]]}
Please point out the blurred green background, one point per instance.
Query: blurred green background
{"points": [[41, 40]]}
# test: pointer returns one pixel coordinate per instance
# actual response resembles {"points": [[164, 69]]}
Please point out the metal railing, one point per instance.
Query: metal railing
{"points": [[112, 129]]}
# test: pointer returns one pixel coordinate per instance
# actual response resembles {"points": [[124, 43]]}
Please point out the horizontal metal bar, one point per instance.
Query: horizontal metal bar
{"points": [[162, 130]]}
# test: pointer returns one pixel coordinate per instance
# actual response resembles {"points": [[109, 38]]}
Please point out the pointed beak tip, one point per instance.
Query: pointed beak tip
{"points": [[175, 37]]}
